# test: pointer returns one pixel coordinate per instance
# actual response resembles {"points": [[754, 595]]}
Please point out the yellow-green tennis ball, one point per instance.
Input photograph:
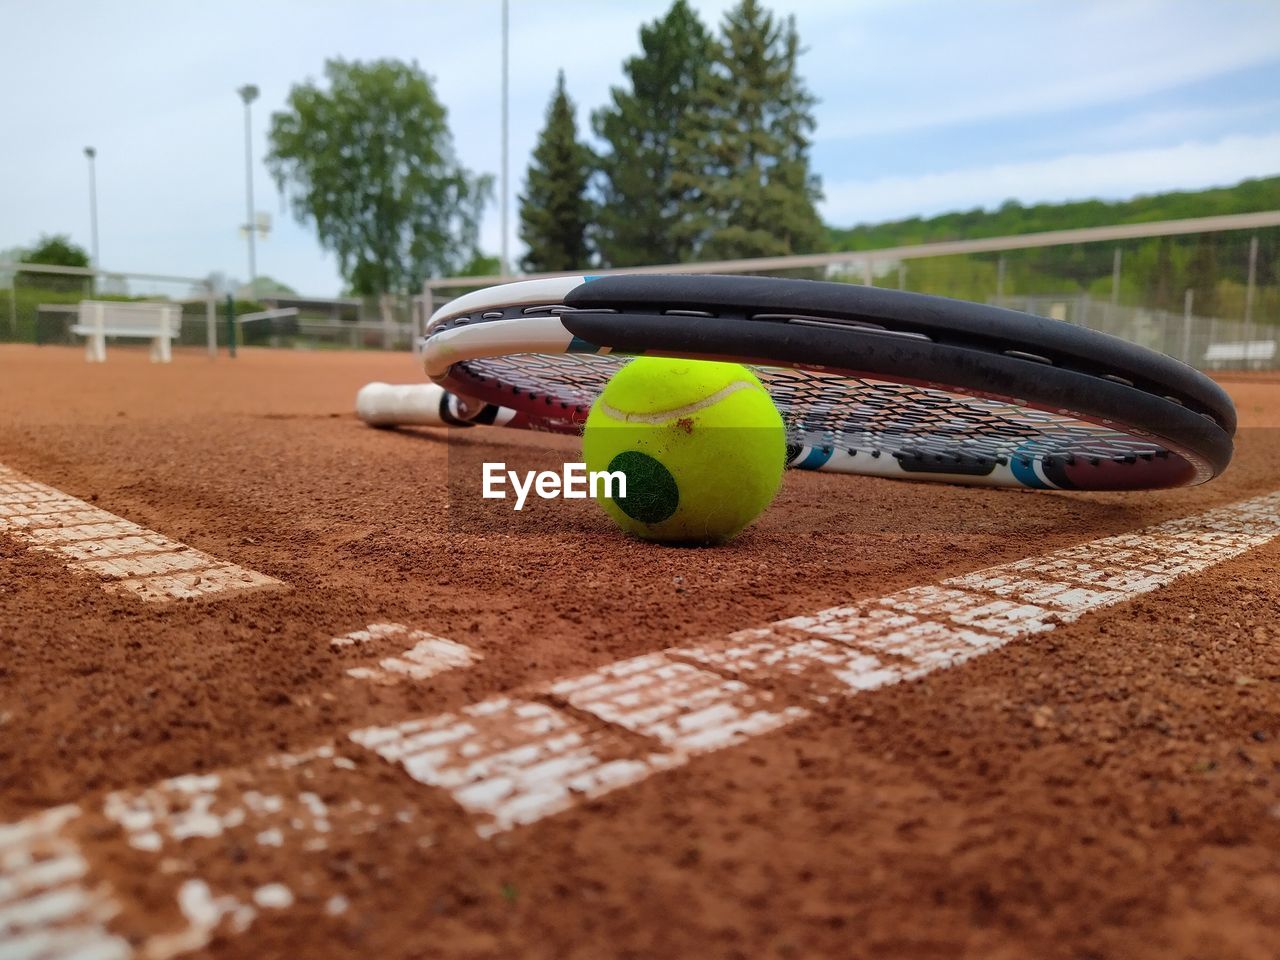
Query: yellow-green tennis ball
{"points": [[701, 445]]}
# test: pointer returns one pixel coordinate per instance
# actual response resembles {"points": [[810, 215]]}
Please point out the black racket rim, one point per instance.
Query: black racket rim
{"points": [[860, 332]]}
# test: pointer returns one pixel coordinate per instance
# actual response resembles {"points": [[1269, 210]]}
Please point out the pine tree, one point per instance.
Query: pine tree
{"points": [[640, 207], [745, 160], [555, 213]]}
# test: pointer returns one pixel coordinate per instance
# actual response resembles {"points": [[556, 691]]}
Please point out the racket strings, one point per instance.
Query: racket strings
{"points": [[857, 415], [918, 422]]}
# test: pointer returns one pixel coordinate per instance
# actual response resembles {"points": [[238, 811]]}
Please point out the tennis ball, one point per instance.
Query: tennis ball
{"points": [[701, 445]]}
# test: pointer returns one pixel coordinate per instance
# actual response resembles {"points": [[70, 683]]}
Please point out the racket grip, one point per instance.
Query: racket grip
{"points": [[390, 405]]}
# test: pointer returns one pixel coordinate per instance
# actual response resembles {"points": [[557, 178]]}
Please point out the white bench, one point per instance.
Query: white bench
{"points": [[1258, 352], [157, 322]]}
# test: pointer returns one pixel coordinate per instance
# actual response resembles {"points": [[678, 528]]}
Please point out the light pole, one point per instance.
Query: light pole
{"points": [[249, 93], [91, 153], [506, 261]]}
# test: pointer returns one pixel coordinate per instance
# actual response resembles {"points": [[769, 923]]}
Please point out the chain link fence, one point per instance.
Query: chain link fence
{"points": [[1210, 343], [1206, 291], [40, 304], [1211, 300]]}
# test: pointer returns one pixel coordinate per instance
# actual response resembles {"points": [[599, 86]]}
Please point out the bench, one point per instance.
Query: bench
{"points": [[1249, 352], [157, 322]]}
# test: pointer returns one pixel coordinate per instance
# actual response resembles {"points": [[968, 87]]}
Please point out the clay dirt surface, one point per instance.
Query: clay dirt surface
{"points": [[1110, 789]]}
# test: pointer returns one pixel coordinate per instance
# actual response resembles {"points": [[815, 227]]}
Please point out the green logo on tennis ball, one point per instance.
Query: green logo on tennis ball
{"points": [[652, 494]]}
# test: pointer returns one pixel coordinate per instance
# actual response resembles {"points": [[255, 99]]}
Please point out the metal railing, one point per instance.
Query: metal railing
{"points": [[1210, 343], [1026, 271]]}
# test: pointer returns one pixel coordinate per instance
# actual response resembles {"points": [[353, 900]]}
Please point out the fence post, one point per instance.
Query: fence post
{"points": [[428, 309], [1000, 280], [210, 321], [1253, 279], [1248, 297], [1115, 275], [231, 325]]}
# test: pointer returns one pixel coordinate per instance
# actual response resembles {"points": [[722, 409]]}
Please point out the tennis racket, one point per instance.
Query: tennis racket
{"points": [[868, 381]]}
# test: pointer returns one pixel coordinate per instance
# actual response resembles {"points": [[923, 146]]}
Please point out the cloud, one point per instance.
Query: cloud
{"points": [[966, 64], [1146, 128], [151, 84], [1075, 176]]}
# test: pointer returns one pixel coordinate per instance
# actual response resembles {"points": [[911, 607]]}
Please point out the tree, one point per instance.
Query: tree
{"points": [[369, 159], [264, 286], [745, 161], [640, 205], [54, 250], [555, 213], [482, 265]]}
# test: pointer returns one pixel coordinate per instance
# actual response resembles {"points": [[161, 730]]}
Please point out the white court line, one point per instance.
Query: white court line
{"points": [[46, 908], [514, 760], [518, 758], [844, 650], [427, 656], [273, 811], [510, 761], [130, 558]]}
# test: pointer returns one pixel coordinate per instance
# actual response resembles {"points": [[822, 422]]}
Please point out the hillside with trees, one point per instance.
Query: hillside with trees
{"points": [[1155, 273], [1014, 218]]}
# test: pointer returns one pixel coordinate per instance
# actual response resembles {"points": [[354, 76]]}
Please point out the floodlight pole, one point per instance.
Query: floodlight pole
{"points": [[249, 93], [506, 259], [91, 154]]}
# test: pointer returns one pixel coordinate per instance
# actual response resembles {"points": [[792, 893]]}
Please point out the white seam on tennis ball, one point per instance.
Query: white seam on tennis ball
{"points": [[662, 416]]}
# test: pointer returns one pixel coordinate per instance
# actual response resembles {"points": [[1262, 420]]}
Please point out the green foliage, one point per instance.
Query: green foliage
{"points": [[241, 306], [57, 250], [21, 319], [264, 286], [369, 159], [555, 213], [1202, 277], [1013, 218], [1155, 273], [744, 157], [482, 265], [641, 207], [54, 250], [21, 308]]}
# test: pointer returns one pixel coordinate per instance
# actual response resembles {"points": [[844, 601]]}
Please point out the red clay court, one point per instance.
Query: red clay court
{"points": [[272, 685]]}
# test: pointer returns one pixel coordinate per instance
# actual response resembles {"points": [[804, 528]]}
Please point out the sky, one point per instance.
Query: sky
{"points": [[924, 106]]}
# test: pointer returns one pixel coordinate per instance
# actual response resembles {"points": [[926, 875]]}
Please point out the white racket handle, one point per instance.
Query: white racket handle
{"points": [[390, 405]]}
